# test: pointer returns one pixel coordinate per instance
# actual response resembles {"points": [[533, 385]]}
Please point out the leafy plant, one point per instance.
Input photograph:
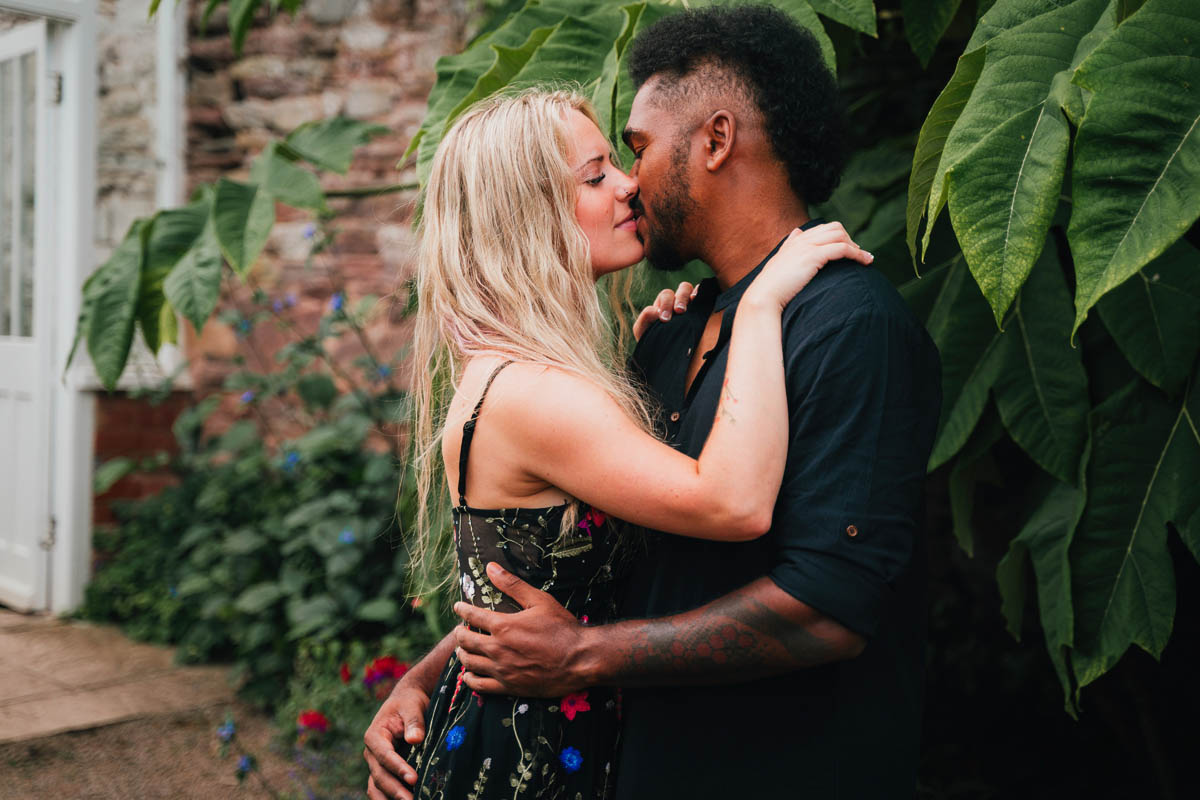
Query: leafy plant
{"points": [[269, 539]]}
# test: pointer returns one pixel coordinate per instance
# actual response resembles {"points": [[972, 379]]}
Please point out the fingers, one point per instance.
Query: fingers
{"points": [[385, 785], [476, 617], [648, 317], [473, 642], [844, 250], [665, 303], [516, 588], [385, 763], [483, 684], [683, 295], [480, 665]]}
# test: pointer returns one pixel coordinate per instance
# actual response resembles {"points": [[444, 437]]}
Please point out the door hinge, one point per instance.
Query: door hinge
{"points": [[56, 88], [51, 529]]}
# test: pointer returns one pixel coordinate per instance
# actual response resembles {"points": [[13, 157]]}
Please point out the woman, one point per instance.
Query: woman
{"points": [[544, 442]]}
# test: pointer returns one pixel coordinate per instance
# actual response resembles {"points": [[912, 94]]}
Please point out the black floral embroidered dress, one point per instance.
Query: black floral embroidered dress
{"points": [[480, 747]]}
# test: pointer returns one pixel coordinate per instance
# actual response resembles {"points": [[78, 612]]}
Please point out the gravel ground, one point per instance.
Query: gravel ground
{"points": [[166, 756]]}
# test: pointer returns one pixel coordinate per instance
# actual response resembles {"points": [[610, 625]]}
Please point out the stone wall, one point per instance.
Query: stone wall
{"points": [[366, 59]]}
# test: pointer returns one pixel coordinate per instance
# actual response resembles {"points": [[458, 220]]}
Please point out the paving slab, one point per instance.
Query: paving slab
{"points": [[63, 675]]}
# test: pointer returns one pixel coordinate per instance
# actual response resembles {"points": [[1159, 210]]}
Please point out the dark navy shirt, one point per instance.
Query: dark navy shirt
{"points": [[864, 393]]}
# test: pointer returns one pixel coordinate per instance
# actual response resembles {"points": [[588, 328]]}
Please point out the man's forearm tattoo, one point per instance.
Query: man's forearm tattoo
{"points": [[736, 638]]}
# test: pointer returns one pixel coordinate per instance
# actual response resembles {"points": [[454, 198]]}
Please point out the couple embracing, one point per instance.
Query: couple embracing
{"points": [[699, 576]]}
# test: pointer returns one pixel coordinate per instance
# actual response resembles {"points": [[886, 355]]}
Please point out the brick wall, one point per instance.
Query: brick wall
{"points": [[367, 59]]}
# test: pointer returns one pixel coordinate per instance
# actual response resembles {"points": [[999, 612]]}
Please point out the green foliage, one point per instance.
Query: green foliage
{"points": [[259, 548], [174, 261]]}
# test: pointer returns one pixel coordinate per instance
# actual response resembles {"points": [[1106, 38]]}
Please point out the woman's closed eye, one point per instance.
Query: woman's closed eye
{"points": [[596, 180]]}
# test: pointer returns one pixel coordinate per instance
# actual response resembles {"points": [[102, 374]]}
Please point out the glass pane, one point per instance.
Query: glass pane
{"points": [[24, 283], [7, 144]]}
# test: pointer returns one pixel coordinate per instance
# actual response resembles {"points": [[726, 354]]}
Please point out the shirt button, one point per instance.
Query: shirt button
{"points": [[851, 531], [674, 416]]}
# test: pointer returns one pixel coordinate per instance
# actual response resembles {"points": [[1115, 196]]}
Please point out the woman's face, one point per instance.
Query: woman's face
{"points": [[602, 207]]}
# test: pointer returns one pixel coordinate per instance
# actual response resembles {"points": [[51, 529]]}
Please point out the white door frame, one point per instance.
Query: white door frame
{"points": [[71, 53]]}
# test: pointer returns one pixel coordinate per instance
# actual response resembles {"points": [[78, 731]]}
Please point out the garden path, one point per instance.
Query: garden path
{"points": [[62, 675]]}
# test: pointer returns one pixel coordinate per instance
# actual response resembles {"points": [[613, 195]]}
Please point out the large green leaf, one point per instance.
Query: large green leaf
{"points": [[242, 216], [926, 168], [1041, 392], [275, 171], [856, 14], [973, 462], [925, 21], [1141, 476], [111, 299], [1137, 152], [258, 598], [972, 357], [194, 284], [604, 93], [624, 91], [241, 16], [1154, 317], [172, 234], [1045, 540], [1007, 152], [803, 13], [330, 143]]}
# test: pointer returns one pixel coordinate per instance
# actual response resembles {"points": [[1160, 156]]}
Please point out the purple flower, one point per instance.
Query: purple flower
{"points": [[571, 759], [225, 732], [455, 736], [245, 764], [336, 302], [310, 231], [277, 306], [247, 396], [346, 536], [289, 299]]}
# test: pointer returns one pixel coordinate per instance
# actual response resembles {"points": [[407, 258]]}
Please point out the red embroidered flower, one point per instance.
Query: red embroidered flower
{"points": [[592, 517], [312, 721], [575, 703], [344, 672]]}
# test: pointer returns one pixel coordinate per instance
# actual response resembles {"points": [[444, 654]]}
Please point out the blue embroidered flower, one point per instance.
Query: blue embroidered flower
{"points": [[455, 736], [571, 759], [346, 536]]}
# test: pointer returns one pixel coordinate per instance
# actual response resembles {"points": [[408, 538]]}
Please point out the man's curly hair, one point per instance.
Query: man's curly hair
{"points": [[777, 62]]}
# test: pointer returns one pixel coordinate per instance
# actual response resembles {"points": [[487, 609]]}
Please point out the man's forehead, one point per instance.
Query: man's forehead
{"points": [[646, 116]]}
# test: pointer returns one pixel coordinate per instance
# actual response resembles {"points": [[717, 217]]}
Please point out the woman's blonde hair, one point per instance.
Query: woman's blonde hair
{"points": [[504, 269]]}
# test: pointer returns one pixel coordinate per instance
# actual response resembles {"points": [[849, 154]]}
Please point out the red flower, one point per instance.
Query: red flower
{"points": [[312, 721], [344, 672], [574, 703], [382, 674]]}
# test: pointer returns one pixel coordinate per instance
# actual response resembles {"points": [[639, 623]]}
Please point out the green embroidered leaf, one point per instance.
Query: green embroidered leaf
{"points": [[1137, 152]]}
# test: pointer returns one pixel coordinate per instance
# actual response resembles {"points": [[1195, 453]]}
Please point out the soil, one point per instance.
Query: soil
{"points": [[165, 756]]}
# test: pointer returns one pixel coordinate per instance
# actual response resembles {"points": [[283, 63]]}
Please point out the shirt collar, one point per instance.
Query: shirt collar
{"points": [[730, 297]]}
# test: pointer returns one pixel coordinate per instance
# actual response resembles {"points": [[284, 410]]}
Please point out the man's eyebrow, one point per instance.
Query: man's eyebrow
{"points": [[591, 160]]}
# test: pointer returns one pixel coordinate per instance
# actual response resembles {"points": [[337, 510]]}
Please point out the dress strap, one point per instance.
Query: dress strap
{"points": [[464, 449]]}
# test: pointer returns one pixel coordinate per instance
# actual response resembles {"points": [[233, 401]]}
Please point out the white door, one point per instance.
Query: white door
{"points": [[26, 273]]}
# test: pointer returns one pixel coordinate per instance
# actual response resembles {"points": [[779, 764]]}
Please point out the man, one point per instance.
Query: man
{"points": [[790, 665]]}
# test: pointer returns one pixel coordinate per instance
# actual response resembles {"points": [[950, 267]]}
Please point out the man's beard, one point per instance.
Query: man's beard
{"points": [[672, 207]]}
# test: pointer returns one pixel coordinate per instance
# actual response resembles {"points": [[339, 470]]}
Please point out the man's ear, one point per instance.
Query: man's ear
{"points": [[720, 130]]}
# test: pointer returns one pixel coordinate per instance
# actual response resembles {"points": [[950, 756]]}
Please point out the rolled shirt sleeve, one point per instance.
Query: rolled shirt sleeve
{"points": [[864, 397]]}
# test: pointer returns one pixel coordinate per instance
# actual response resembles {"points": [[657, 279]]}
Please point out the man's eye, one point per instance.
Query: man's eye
{"points": [[596, 180]]}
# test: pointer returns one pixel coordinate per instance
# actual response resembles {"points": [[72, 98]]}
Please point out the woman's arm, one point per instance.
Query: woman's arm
{"points": [[566, 431]]}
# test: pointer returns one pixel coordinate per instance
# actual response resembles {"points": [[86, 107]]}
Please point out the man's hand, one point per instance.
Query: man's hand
{"points": [[401, 718], [534, 653], [666, 304]]}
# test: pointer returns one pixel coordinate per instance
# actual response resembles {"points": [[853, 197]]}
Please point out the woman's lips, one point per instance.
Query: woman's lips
{"points": [[629, 224]]}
